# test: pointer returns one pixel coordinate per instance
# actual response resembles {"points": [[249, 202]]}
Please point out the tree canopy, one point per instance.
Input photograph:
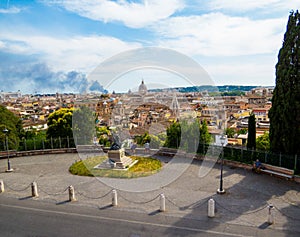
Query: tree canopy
{"points": [[187, 134], [263, 142], [285, 112], [14, 126], [190, 131], [60, 123], [205, 136], [173, 135], [84, 125], [230, 132], [77, 123]]}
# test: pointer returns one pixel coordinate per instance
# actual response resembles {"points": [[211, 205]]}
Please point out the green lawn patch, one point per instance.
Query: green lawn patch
{"points": [[144, 167]]}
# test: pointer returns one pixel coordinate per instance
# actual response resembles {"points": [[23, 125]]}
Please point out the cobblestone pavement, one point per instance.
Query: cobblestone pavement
{"points": [[245, 202]]}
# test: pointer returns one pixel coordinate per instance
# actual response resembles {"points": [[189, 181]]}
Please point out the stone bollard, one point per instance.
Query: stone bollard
{"points": [[270, 214], [34, 190], [114, 198], [162, 203], [72, 194], [1, 186], [211, 208]]}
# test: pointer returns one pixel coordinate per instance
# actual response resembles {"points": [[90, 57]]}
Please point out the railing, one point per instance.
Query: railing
{"points": [[39, 144], [230, 152], [14, 153], [248, 156]]}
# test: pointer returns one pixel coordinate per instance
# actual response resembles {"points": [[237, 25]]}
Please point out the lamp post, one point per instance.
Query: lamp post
{"points": [[221, 190], [9, 169]]}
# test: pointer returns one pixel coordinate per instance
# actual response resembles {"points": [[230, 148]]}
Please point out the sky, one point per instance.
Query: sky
{"points": [[49, 46]]}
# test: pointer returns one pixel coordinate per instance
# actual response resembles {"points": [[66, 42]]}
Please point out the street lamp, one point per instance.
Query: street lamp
{"points": [[9, 169], [221, 190]]}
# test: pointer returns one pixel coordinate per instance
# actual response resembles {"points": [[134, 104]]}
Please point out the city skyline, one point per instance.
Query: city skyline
{"points": [[53, 46]]}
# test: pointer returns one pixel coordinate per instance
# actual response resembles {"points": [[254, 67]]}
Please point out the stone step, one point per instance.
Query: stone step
{"points": [[125, 161], [123, 164]]}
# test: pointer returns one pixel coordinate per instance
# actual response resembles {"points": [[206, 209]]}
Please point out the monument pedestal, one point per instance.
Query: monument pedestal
{"points": [[117, 160], [116, 155]]}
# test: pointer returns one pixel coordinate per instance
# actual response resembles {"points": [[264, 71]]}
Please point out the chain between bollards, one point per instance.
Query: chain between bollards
{"points": [[211, 202]]}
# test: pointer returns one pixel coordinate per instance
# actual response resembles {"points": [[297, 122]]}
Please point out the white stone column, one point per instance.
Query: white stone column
{"points": [[211, 208], [72, 194], [1, 186], [162, 203], [114, 198], [34, 190], [270, 214]]}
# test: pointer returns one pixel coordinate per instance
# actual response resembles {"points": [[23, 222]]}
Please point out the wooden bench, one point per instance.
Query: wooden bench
{"points": [[277, 171]]}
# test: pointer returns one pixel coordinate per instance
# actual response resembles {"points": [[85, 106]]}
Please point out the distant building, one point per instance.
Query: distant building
{"points": [[10, 95], [143, 89], [261, 114]]}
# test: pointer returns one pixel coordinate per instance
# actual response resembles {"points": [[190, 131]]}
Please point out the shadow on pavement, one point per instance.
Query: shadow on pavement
{"points": [[244, 206], [62, 202]]}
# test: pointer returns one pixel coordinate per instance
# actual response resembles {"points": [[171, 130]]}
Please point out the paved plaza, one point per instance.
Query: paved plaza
{"points": [[245, 202]]}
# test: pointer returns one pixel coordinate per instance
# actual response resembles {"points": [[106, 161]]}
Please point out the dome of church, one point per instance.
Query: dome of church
{"points": [[142, 88]]}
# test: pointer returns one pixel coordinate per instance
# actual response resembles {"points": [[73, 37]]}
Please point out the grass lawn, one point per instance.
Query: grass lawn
{"points": [[144, 167]]}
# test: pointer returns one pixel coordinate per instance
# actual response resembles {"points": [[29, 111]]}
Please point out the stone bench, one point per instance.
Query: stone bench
{"points": [[88, 148], [237, 164], [172, 152], [277, 171], [12, 153], [164, 151]]}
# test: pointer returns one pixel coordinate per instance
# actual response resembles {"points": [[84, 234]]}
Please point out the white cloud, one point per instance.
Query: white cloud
{"points": [[242, 72], [80, 53], [132, 14], [217, 34], [248, 5], [11, 10]]}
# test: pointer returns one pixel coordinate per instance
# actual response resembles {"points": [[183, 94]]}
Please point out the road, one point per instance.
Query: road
{"points": [[242, 211], [29, 217]]}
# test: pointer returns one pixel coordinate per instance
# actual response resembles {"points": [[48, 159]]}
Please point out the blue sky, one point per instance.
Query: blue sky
{"points": [[53, 46]]}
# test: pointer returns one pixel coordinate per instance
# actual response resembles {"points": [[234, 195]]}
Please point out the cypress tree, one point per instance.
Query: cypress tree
{"points": [[285, 112], [173, 135], [251, 140], [205, 137]]}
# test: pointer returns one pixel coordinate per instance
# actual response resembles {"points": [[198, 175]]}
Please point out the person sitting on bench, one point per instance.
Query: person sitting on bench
{"points": [[257, 166]]}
